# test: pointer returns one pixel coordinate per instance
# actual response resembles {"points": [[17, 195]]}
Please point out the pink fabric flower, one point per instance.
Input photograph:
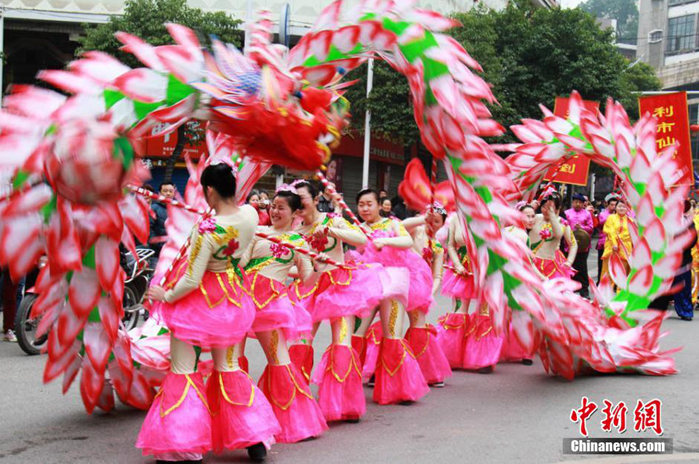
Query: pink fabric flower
{"points": [[427, 254], [277, 250], [207, 225], [317, 243], [545, 233]]}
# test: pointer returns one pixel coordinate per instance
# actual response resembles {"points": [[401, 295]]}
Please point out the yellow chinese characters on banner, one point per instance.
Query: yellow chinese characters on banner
{"points": [[670, 110]]}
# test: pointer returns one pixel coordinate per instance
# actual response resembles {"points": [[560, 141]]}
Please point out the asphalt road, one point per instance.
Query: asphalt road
{"points": [[516, 414]]}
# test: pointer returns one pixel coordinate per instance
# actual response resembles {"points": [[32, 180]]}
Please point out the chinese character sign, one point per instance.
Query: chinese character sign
{"points": [[670, 110], [646, 416], [576, 169]]}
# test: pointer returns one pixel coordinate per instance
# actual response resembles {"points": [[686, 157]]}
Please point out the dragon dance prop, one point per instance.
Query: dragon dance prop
{"points": [[269, 105]]}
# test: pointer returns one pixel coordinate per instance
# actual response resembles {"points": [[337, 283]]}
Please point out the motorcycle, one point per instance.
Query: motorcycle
{"points": [[138, 275]]}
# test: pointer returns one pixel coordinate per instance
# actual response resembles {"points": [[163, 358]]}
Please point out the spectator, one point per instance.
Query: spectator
{"points": [[264, 207], [158, 232], [325, 200], [10, 298], [386, 208], [382, 194], [399, 210], [683, 279], [601, 219], [254, 200], [618, 241], [580, 220]]}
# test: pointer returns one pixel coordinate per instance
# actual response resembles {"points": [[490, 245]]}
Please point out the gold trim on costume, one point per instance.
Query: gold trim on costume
{"points": [[353, 364], [274, 344], [225, 395], [190, 383], [393, 318]]}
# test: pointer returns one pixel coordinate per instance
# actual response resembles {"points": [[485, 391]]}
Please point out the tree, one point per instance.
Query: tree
{"points": [[146, 19], [530, 56], [624, 11]]}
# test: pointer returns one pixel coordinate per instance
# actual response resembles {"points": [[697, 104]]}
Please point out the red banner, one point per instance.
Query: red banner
{"points": [[162, 146], [576, 169], [672, 113]]}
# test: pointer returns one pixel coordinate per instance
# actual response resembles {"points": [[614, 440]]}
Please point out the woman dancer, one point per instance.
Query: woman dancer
{"points": [[512, 350], [422, 336], [618, 243], [277, 320], [340, 295], [204, 304], [545, 240], [467, 337], [398, 375]]}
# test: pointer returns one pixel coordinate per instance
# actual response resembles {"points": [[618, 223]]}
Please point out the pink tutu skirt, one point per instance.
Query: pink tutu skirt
{"points": [[179, 421], [552, 268], [217, 314], [274, 309], [298, 413], [241, 415], [348, 292], [340, 392], [429, 354], [419, 295], [458, 286], [304, 295]]}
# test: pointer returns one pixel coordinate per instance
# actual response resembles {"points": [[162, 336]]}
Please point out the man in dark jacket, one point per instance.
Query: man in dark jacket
{"points": [[158, 216], [683, 279]]}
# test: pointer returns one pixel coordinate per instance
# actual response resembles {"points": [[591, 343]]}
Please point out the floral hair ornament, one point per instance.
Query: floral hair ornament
{"points": [[287, 188], [548, 191], [438, 208]]}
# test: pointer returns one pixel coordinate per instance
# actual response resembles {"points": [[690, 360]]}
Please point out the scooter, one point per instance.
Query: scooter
{"points": [[138, 275]]}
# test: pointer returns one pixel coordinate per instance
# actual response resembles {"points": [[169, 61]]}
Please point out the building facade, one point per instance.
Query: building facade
{"points": [[668, 40]]}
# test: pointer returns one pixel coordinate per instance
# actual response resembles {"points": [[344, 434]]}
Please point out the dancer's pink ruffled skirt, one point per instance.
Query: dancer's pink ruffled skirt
{"points": [[348, 292], [557, 267], [178, 422], [298, 413], [398, 375], [340, 392], [428, 351], [458, 286], [241, 415], [274, 309], [419, 272], [217, 314], [395, 280]]}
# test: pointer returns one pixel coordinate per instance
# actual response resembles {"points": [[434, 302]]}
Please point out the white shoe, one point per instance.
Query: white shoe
{"points": [[10, 336]]}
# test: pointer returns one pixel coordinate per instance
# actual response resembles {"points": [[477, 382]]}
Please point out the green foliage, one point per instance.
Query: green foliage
{"points": [[146, 19], [624, 11], [530, 56]]}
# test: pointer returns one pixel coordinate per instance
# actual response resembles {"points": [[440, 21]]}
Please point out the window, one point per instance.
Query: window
{"points": [[655, 36], [677, 2], [680, 33]]}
